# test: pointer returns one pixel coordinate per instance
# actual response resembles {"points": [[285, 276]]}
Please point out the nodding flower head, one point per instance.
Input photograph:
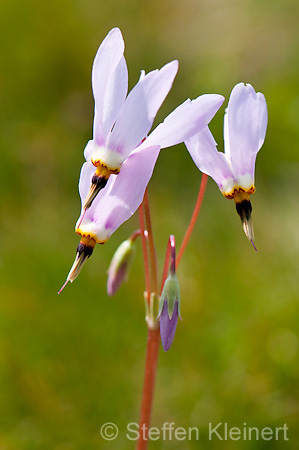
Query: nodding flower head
{"points": [[121, 122], [121, 157], [124, 191], [245, 124]]}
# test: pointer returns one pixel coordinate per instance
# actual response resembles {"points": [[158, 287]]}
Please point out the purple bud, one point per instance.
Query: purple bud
{"points": [[167, 325]]}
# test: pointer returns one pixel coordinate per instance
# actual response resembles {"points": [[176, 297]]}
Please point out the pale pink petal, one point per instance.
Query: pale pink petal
{"points": [[87, 172], [243, 126], [115, 95], [203, 150], [185, 121], [263, 118], [123, 194], [142, 75], [140, 108], [88, 150], [105, 63], [226, 136]]}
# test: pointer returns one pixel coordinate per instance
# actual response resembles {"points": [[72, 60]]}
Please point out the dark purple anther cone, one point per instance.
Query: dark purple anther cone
{"points": [[168, 326]]}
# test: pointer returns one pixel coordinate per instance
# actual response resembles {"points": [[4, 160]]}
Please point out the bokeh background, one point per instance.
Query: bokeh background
{"points": [[72, 362]]}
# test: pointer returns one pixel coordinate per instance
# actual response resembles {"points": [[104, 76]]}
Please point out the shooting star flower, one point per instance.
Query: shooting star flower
{"points": [[124, 192], [121, 122], [245, 124]]}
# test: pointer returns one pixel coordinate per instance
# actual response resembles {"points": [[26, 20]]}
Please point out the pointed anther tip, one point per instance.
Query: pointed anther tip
{"points": [[63, 286], [98, 182], [253, 244]]}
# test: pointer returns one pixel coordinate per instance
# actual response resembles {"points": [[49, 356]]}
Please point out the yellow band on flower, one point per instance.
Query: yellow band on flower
{"points": [[238, 191], [88, 238]]}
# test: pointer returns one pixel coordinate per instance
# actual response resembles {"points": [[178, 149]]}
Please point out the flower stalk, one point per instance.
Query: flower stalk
{"points": [[153, 338], [201, 193], [151, 362], [151, 244], [145, 253]]}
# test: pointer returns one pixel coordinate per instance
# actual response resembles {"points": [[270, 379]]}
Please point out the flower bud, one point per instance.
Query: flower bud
{"points": [[169, 310], [120, 266]]}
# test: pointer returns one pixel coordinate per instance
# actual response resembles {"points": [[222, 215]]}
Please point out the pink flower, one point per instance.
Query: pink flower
{"points": [[124, 192], [121, 122], [122, 153], [245, 124]]}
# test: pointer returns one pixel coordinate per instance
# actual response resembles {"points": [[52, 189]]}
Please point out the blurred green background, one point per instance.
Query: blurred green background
{"points": [[72, 362]]}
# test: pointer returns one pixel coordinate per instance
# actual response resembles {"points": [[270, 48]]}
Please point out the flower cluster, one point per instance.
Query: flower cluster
{"points": [[120, 158]]}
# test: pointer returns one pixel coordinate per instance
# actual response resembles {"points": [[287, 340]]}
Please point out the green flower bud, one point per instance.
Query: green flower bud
{"points": [[120, 265]]}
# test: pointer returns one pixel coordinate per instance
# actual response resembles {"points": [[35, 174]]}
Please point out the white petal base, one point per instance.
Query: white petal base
{"points": [[102, 156], [89, 229], [245, 183]]}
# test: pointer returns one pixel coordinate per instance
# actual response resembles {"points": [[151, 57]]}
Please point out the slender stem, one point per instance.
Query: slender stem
{"points": [[172, 254], [145, 255], [166, 266], [152, 249], [169, 258], [197, 207], [153, 343], [153, 340], [135, 235]]}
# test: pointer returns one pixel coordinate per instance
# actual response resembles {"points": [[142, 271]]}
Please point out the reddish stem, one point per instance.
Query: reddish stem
{"points": [[152, 352], [145, 255], [197, 207], [170, 253], [135, 235], [152, 249], [153, 340], [166, 266]]}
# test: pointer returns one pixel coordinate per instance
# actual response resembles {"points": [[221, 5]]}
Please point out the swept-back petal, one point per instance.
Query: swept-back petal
{"points": [[244, 128], [185, 121], [86, 175], [203, 150], [121, 197], [115, 95], [109, 82], [140, 108], [263, 118], [88, 150]]}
